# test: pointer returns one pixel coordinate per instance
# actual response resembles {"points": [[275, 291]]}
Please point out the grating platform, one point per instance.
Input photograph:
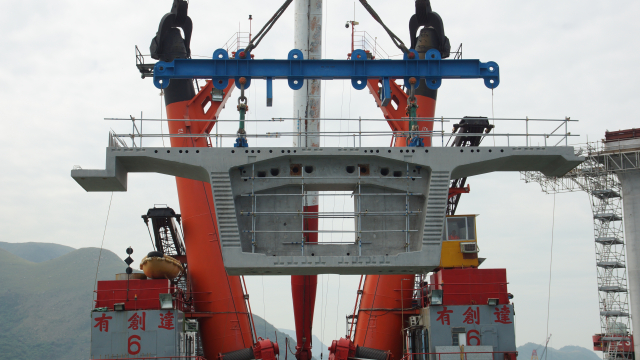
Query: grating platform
{"points": [[607, 217], [612, 288], [610, 265], [611, 240]]}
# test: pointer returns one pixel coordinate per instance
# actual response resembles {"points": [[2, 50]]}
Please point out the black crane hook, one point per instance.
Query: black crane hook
{"points": [[426, 17], [176, 18]]}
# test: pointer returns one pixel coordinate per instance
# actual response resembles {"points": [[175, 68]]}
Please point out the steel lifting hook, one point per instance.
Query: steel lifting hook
{"points": [[241, 140]]}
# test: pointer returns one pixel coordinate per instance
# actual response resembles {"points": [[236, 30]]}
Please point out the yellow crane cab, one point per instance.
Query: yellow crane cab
{"points": [[459, 242]]}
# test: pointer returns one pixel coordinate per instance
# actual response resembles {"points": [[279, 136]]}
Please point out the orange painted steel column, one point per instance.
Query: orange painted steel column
{"points": [[397, 109], [382, 328], [227, 327], [303, 291], [380, 320]]}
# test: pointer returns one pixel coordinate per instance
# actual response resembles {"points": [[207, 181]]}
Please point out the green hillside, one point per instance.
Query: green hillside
{"points": [[565, 353], [317, 347], [46, 306], [269, 331], [35, 251]]}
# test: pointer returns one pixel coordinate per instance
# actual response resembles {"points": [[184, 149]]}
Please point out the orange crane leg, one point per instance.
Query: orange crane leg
{"points": [[225, 324], [381, 316], [397, 109], [303, 292]]}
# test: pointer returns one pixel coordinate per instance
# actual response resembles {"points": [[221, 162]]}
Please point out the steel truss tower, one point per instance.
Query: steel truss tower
{"points": [[598, 177]]}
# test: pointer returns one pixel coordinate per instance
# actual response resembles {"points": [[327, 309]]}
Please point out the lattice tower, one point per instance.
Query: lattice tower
{"points": [[596, 177], [534, 355]]}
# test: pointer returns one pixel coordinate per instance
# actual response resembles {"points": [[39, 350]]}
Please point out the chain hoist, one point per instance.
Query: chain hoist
{"points": [[241, 140], [413, 136]]}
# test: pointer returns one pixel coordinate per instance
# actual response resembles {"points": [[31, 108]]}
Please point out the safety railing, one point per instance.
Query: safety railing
{"points": [[116, 141], [181, 301], [158, 358], [361, 132], [362, 40], [462, 355], [146, 69], [237, 41]]}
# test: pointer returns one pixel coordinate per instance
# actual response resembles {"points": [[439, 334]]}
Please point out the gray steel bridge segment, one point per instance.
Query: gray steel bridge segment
{"points": [[400, 197]]}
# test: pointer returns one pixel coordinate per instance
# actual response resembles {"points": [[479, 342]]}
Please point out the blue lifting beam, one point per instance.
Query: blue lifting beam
{"points": [[296, 69]]}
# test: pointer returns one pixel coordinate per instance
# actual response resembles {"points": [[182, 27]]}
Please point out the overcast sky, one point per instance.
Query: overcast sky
{"points": [[68, 64]]}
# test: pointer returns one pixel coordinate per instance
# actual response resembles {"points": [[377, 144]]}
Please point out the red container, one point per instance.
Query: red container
{"points": [[135, 294], [471, 286], [624, 343]]}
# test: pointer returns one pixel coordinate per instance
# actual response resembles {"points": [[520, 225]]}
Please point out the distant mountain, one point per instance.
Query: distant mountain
{"points": [[317, 347], [565, 353], [45, 307], [46, 298], [35, 251]]}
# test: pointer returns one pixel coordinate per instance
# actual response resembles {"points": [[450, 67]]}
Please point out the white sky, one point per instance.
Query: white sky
{"points": [[68, 64]]}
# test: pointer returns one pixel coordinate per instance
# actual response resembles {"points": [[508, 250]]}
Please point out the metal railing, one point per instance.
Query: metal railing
{"points": [[237, 41], [362, 40], [526, 132], [458, 355], [159, 358], [182, 301]]}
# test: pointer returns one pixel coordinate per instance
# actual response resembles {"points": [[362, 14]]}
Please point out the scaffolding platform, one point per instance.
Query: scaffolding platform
{"points": [[609, 241], [611, 264], [607, 217], [606, 193], [614, 288]]}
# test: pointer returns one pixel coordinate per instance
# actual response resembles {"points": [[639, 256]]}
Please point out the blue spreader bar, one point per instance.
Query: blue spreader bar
{"points": [[295, 70]]}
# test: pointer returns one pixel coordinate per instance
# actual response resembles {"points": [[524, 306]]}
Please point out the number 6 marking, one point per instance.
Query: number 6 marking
{"points": [[132, 342], [475, 337]]}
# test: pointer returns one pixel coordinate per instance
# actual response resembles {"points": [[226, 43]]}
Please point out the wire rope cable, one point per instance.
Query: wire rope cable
{"points": [[264, 308], [375, 292], [493, 117], [349, 121], [325, 18], [553, 223], [265, 29], [104, 233], [321, 313], [341, 108], [338, 306], [396, 40], [153, 245], [255, 113], [324, 328], [161, 122]]}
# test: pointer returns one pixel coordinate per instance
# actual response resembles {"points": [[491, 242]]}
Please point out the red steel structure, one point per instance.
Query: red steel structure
{"points": [[134, 294], [303, 292], [397, 109], [381, 315], [471, 286], [224, 325]]}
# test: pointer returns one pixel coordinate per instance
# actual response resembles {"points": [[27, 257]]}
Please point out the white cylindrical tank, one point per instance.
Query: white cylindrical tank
{"points": [[307, 100]]}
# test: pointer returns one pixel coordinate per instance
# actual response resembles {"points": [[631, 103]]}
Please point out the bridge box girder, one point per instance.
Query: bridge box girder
{"points": [[399, 196]]}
